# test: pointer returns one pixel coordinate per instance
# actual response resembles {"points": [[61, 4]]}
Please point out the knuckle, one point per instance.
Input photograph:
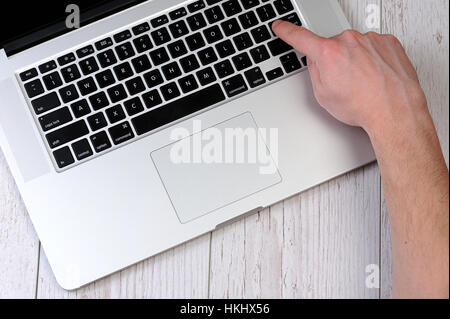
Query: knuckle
{"points": [[392, 39], [350, 35]]}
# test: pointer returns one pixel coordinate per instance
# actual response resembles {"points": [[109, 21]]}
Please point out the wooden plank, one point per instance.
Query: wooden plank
{"points": [[179, 273], [314, 245], [19, 245], [422, 26]]}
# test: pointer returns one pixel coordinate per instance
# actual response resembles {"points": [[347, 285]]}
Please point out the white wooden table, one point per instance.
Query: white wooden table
{"points": [[315, 245]]}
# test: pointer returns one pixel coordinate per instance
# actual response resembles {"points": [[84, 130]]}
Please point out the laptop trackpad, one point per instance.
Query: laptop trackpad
{"points": [[218, 166]]}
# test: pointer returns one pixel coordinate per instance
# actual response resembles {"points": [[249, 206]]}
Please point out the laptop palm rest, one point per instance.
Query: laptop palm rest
{"points": [[216, 167]]}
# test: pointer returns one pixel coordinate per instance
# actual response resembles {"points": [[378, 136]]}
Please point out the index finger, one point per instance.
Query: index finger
{"points": [[300, 38]]}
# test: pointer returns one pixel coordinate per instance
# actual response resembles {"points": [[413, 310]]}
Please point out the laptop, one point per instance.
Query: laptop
{"points": [[131, 126]]}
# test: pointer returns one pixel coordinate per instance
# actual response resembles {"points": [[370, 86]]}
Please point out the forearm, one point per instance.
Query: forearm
{"points": [[416, 186]]}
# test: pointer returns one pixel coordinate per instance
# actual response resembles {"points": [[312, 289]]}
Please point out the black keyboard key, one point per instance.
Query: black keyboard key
{"points": [[189, 63], [206, 76], [260, 54], [212, 2], [143, 43], [80, 108], [28, 75], [99, 101], [105, 78], [290, 62], [123, 71], [82, 149], [225, 49], [139, 29], [292, 18], [87, 86], [46, 103], [242, 61], [304, 61], [107, 58], [34, 88], [170, 91], [196, 6], [89, 66], [214, 14], [141, 64], [207, 56], [178, 13], [101, 142], [261, 34], [224, 69], [171, 71], [115, 114], [97, 122], [248, 20], [153, 78], [232, 7], [69, 93], [177, 49], [152, 99], [66, 59], [178, 109], [55, 119], [67, 134], [161, 36], [125, 51], [275, 74], [134, 106], [255, 77], [178, 29], [283, 6], [213, 34], [63, 157], [70, 73], [159, 56], [266, 13], [121, 133], [117, 93], [135, 86], [122, 36], [235, 86], [278, 47], [196, 22], [84, 52], [248, 4], [243, 41], [159, 21], [195, 41], [231, 27], [188, 84], [47, 67], [103, 44], [52, 81]]}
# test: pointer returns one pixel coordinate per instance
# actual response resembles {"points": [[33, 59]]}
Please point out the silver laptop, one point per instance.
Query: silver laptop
{"points": [[155, 122]]}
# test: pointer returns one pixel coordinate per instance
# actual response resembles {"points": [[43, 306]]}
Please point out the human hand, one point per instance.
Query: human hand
{"points": [[362, 80]]}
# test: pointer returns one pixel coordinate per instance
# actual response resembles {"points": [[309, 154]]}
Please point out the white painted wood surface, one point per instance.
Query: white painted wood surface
{"points": [[314, 245]]}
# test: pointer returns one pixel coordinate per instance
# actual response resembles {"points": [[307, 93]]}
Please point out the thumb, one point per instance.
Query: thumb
{"points": [[300, 38]]}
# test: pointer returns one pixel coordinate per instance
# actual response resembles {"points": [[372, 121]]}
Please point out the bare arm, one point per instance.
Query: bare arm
{"points": [[368, 81]]}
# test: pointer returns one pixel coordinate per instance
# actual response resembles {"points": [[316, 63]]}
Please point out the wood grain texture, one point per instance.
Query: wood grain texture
{"points": [[19, 245], [423, 28]]}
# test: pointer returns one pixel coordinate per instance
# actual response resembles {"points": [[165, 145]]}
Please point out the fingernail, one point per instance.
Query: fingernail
{"points": [[276, 23]]}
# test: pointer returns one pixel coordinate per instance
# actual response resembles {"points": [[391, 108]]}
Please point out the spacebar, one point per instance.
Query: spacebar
{"points": [[178, 109]]}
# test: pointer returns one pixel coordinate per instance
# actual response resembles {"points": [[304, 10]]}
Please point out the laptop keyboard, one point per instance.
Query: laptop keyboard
{"points": [[142, 79]]}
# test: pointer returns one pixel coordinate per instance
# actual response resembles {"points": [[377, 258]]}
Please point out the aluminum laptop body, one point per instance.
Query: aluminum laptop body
{"points": [[99, 215]]}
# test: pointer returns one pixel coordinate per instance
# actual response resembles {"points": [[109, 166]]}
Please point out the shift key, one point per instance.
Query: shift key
{"points": [[67, 134]]}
